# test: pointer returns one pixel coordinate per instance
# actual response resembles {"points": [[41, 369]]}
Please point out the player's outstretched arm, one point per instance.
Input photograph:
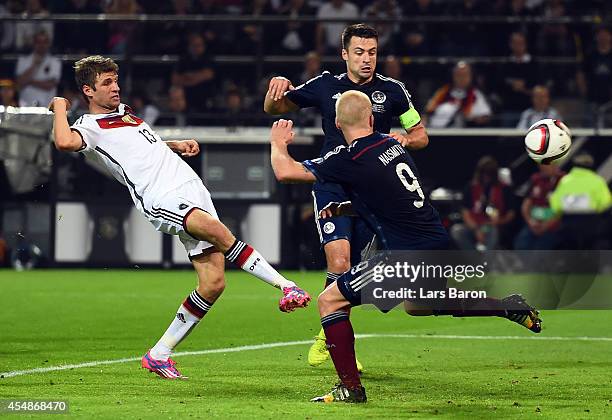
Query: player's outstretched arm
{"points": [[186, 148], [275, 102], [285, 168], [65, 139]]}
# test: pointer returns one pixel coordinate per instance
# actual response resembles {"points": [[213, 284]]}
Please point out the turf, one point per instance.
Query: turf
{"points": [[50, 318]]}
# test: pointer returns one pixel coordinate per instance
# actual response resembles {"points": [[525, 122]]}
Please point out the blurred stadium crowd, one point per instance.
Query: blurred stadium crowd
{"points": [[516, 70]]}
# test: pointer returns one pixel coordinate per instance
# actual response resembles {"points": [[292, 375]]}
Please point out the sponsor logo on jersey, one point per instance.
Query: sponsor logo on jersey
{"points": [[118, 121], [329, 227], [378, 97]]}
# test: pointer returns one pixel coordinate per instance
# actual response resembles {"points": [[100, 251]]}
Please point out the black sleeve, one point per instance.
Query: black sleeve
{"points": [[402, 101], [309, 93], [402, 106], [334, 167]]}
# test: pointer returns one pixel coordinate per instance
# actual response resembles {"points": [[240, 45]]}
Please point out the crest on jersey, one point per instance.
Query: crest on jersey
{"points": [[128, 119], [329, 227], [378, 97], [117, 121]]}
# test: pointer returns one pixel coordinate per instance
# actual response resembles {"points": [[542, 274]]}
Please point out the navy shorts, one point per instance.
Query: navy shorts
{"points": [[352, 281], [353, 229], [361, 278]]}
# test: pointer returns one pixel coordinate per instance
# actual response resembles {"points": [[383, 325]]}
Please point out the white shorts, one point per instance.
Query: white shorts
{"points": [[168, 214]]}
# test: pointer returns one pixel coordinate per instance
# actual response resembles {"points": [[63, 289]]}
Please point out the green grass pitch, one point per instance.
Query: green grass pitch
{"points": [[53, 318]]}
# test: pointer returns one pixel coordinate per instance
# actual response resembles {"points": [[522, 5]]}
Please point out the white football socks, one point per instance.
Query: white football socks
{"points": [[252, 262], [187, 318]]}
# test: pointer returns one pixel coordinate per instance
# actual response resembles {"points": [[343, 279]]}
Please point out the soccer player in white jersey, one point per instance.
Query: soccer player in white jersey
{"points": [[167, 192]]}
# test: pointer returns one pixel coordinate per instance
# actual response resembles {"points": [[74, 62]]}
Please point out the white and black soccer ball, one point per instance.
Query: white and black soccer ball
{"points": [[548, 141]]}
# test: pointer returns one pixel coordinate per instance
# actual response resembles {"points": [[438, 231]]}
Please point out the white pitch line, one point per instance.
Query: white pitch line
{"points": [[134, 359], [297, 343], [486, 337]]}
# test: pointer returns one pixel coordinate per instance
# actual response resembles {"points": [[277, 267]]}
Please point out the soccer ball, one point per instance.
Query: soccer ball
{"points": [[548, 141]]}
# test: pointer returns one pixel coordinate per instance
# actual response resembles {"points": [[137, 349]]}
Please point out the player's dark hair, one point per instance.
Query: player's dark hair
{"points": [[360, 30], [87, 69]]}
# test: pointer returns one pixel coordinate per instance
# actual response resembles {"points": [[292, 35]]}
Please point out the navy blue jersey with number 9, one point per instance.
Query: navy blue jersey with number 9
{"points": [[382, 182]]}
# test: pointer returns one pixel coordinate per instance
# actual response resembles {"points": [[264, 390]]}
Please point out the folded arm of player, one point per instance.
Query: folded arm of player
{"points": [[275, 102], [186, 148], [285, 168], [65, 139]]}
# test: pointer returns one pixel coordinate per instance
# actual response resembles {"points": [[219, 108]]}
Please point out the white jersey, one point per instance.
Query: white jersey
{"points": [[134, 154]]}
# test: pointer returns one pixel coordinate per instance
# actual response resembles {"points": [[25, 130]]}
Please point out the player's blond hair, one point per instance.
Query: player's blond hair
{"points": [[353, 109], [87, 69]]}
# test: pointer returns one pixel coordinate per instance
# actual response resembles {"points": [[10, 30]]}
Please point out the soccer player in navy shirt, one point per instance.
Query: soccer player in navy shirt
{"points": [[341, 237], [382, 183]]}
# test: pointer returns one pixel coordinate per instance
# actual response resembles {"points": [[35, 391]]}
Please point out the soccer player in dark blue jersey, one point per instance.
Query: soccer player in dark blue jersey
{"points": [[382, 183], [341, 237]]}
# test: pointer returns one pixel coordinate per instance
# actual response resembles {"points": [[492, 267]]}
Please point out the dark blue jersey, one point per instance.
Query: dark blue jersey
{"points": [[389, 99], [381, 180]]}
